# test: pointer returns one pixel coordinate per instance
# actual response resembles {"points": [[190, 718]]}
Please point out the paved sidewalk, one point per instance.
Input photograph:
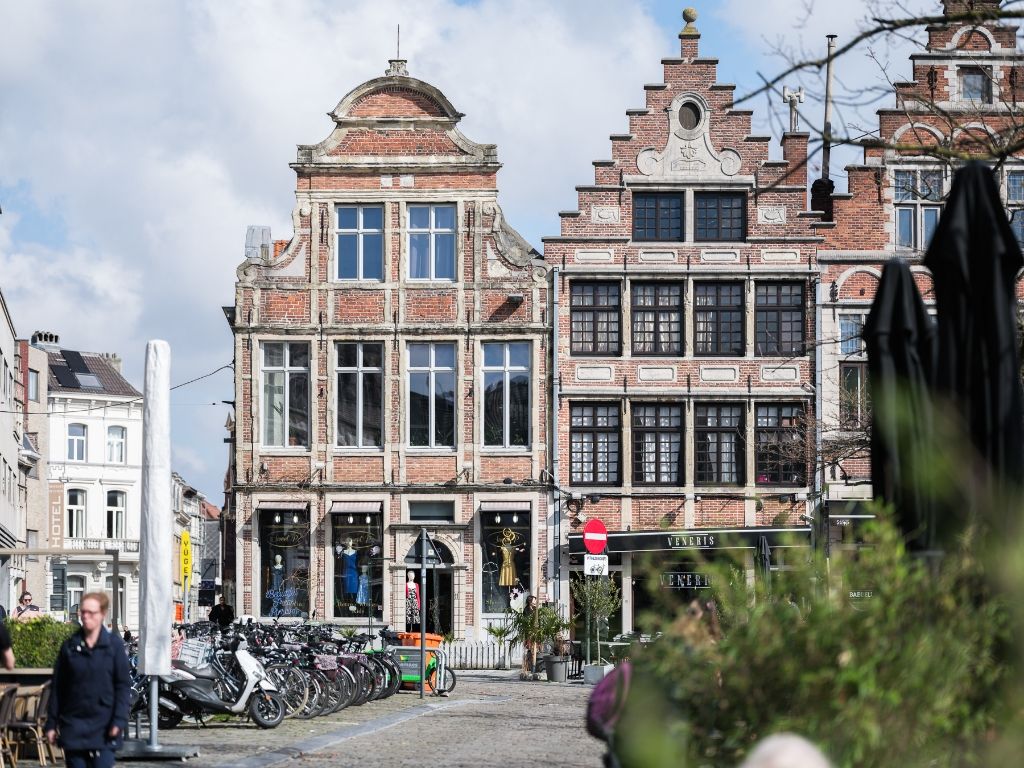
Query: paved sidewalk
{"points": [[491, 718]]}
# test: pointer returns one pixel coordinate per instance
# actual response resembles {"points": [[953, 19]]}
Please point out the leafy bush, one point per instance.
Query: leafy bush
{"points": [[37, 642], [908, 677]]}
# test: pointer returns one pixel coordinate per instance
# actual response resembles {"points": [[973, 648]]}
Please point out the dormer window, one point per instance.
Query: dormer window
{"points": [[975, 85]]}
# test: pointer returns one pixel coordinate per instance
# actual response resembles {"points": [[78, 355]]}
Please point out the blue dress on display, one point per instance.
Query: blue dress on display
{"points": [[363, 596], [349, 573]]}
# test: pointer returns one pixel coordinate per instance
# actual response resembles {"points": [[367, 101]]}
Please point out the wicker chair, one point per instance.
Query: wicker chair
{"points": [[30, 729], [7, 697]]}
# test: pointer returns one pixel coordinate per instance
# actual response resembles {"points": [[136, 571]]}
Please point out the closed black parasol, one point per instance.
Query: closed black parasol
{"points": [[900, 340], [974, 259]]}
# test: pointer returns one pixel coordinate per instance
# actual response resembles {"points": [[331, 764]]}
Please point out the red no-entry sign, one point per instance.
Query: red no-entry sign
{"points": [[595, 536]]}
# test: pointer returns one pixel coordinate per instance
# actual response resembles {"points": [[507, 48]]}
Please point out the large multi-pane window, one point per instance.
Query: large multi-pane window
{"points": [[851, 329], [780, 455], [507, 394], [719, 444], [975, 85], [74, 514], [657, 319], [360, 235], [506, 557], [432, 395], [360, 372], [116, 504], [1015, 203], [595, 318], [594, 444], [657, 444], [718, 318], [918, 199], [286, 394], [853, 385], [77, 434], [720, 216], [284, 556], [780, 319], [116, 439], [658, 216], [357, 540], [432, 242]]}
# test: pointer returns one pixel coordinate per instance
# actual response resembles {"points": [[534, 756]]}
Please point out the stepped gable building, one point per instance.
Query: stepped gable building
{"points": [[685, 336], [963, 97], [390, 367]]}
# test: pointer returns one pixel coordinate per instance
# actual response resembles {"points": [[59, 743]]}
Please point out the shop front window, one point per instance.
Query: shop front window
{"points": [[284, 553], [505, 576], [358, 565]]}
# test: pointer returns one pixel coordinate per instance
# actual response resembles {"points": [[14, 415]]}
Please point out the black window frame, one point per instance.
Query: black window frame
{"points": [[637, 311], [580, 311], [640, 431], [663, 231], [594, 429], [716, 312], [775, 423], [764, 312], [702, 233], [701, 446]]}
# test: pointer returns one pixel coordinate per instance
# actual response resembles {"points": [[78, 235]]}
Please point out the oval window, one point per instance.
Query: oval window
{"points": [[689, 116]]}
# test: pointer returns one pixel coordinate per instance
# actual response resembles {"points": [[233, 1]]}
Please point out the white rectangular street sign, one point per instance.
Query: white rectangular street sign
{"points": [[595, 565]]}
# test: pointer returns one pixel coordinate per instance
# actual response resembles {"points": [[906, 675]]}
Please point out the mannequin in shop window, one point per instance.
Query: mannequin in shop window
{"points": [[349, 571], [412, 600], [277, 573]]}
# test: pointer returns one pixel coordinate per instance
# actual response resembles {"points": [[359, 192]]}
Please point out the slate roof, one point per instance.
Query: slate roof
{"points": [[110, 381]]}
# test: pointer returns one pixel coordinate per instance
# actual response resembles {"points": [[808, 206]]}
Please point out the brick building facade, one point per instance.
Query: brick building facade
{"points": [[685, 337], [962, 97], [391, 360]]}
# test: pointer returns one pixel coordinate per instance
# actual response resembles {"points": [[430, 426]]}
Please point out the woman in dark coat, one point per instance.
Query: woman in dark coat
{"points": [[89, 697]]}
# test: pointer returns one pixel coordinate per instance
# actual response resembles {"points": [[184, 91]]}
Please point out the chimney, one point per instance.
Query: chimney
{"points": [[46, 341], [113, 360]]}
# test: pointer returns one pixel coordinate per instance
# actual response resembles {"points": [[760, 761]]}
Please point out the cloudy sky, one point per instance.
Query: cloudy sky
{"points": [[139, 138]]}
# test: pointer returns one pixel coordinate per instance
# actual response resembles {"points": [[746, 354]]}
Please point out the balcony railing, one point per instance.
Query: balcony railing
{"points": [[123, 545]]}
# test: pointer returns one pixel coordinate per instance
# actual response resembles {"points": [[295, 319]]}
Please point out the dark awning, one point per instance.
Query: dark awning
{"points": [[699, 539]]}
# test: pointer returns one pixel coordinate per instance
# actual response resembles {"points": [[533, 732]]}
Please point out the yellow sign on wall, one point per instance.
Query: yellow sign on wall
{"points": [[186, 556]]}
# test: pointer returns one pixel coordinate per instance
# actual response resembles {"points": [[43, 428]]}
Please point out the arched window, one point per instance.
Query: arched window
{"points": [[75, 514], [115, 514], [76, 442], [116, 437]]}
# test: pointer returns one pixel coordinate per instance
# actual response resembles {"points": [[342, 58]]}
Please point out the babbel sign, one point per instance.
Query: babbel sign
{"points": [[595, 536]]}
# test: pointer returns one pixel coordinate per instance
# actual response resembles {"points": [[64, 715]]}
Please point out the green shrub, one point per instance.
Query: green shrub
{"points": [[911, 676], [37, 642]]}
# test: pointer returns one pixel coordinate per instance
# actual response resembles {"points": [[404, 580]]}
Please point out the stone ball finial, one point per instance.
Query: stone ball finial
{"points": [[689, 16]]}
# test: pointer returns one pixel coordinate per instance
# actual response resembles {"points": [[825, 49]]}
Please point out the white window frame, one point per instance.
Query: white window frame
{"points": [[33, 385], [116, 514], [433, 231], [75, 514], [77, 445], [917, 203], [74, 588], [122, 608], [1015, 204], [359, 370], [117, 445], [858, 359], [433, 370], [286, 369], [360, 231], [507, 369]]}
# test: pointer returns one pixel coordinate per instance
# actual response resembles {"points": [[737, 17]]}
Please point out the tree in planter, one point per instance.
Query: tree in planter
{"points": [[597, 598], [531, 628], [502, 633]]}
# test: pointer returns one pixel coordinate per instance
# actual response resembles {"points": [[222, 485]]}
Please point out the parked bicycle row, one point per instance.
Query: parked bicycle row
{"points": [[268, 673]]}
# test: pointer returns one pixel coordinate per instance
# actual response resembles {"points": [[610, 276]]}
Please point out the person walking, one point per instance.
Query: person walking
{"points": [[89, 696], [26, 610], [223, 614]]}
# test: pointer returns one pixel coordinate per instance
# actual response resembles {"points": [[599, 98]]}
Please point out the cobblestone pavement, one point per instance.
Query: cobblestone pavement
{"points": [[491, 718]]}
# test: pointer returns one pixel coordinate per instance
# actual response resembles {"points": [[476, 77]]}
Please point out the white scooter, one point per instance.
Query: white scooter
{"points": [[197, 692]]}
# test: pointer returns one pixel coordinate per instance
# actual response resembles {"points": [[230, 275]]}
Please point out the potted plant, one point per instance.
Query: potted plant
{"points": [[542, 624], [597, 598], [502, 633]]}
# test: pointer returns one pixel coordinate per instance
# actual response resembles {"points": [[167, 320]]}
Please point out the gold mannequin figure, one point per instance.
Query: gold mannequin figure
{"points": [[507, 575]]}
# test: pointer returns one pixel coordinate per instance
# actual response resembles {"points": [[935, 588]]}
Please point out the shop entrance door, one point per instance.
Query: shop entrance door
{"points": [[439, 601]]}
